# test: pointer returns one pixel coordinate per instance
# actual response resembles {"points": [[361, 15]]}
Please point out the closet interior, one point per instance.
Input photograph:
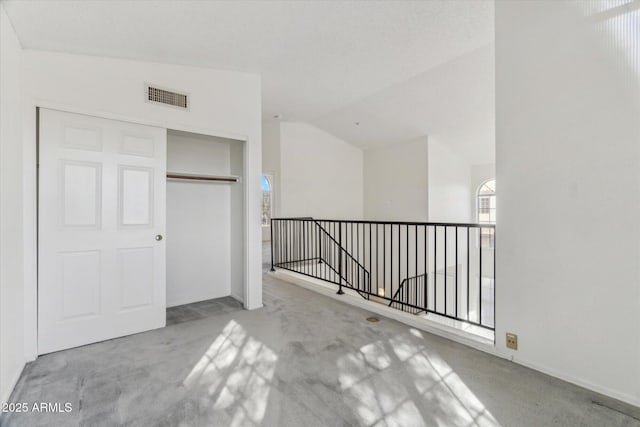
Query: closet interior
{"points": [[205, 218]]}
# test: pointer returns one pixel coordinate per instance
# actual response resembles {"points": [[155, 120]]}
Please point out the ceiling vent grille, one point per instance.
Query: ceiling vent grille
{"points": [[167, 97]]}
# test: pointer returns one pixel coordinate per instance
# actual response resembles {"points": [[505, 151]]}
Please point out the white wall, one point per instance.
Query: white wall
{"points": [[449, 185], [11, 246], [568, 168], [224, 104], [320, 175], [395, 182], [199, 234], [270, 146]]}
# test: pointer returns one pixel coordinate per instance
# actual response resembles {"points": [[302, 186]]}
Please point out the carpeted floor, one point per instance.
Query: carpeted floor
{"points": [[302, 360]]}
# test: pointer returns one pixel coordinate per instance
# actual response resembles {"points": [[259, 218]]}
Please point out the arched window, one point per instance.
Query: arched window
{"points": [[267, 198], [487, 212], [487, 202]]}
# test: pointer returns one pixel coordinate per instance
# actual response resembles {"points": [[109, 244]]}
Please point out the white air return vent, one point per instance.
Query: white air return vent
{"points": [[158, 95]]}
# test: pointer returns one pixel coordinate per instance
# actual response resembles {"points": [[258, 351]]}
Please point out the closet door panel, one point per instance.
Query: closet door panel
{"points": [[102, 202]]}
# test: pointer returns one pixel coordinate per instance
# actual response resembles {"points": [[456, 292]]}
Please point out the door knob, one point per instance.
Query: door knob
{"points": [[158, 237]]}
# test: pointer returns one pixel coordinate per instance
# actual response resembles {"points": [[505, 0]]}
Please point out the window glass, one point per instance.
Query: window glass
{"points": [[267, 196]]}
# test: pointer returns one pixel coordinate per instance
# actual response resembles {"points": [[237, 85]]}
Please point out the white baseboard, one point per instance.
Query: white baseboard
{"points": [[237, 297], [613, 394], [352, 298], [190, 299], [452, 334]]}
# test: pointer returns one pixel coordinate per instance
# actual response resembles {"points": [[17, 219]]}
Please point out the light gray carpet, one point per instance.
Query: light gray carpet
{"points": [[302, 360]]}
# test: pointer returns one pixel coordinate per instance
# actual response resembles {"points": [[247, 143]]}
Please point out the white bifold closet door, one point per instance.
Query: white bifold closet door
{"points": [[101, 218]]}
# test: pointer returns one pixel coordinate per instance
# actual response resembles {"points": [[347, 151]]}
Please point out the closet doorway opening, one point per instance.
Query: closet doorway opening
{"points": [[205, 218]]}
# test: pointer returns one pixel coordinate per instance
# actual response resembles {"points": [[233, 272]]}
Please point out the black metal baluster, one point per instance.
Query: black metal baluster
{"points": [[480, 274], [300, 246], [296, 241], [391, 260], [415, 236], [334, 249], [377, 282], [370, 252], [468, 273], [407, 255], [384, 258], [337, 253], [399, 256], [456, 267], [291, 256], [340, 291], [286, 242], [446, 300], [435, 268], [305, 226], [358, 251], [280, 242], [319, 244], [328, 249], [426, 269]]}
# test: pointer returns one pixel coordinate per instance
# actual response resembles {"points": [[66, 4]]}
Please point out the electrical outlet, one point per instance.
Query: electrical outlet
{"points": [[512, 341]]}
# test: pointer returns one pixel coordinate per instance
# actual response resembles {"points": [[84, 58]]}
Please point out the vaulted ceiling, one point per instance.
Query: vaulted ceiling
{"points": [[401, 69]]}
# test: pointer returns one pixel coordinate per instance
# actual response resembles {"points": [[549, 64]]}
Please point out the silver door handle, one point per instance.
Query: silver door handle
{"points": [[158, 237]]}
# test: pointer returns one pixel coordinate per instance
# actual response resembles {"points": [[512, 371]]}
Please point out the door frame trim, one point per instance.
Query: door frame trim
{"points": [[30, 203]]}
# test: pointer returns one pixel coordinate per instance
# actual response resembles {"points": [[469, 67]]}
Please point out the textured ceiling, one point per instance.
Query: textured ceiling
{"points": [[325, 62], [452, 103]]}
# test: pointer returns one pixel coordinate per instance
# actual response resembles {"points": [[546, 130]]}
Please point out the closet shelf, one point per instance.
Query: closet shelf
{"points": [[195, 177]]}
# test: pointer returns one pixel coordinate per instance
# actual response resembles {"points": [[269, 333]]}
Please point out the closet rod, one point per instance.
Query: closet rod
{"points": [[203, 177]]}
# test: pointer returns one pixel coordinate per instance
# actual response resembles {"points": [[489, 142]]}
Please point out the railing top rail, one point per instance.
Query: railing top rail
{"points": [[364, 221], [299, 218]]}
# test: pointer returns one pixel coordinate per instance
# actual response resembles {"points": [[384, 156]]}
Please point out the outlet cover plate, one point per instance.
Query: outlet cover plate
{"points": [[512, 341]]}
